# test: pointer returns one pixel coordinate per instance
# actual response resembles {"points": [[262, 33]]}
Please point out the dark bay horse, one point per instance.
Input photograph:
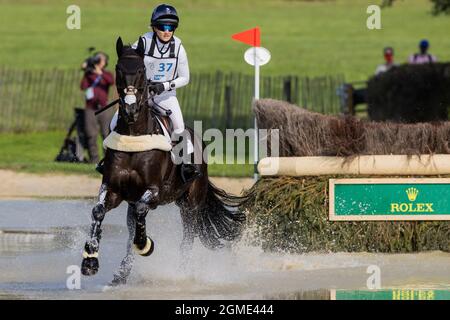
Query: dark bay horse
{"points": [[148, 179]]}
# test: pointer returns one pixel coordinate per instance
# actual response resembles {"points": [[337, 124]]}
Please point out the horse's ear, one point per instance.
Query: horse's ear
{"points": [[119, 47], [140, 50]]}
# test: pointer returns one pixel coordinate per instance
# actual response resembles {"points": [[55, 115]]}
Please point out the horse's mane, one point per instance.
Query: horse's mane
{"points": [[306, 133]]}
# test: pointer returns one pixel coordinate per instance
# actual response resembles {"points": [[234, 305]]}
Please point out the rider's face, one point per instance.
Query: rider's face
{"points": [[163, 35]]}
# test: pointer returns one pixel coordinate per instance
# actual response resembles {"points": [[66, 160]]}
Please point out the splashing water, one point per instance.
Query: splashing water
{"points": [[240, 270]]}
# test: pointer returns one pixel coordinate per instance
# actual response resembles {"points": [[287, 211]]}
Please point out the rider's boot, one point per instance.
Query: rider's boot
{"points": [[189, 170]]}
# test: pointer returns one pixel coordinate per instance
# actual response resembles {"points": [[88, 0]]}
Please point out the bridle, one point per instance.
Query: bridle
{"points": [[134, 89]]}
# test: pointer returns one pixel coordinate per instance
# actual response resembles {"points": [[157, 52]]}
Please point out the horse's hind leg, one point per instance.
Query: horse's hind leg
{"points": [[127, 263], [107, 200]]}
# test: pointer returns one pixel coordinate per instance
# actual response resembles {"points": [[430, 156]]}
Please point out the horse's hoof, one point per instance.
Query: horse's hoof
{"points": [[89, 266], [147, 250]]}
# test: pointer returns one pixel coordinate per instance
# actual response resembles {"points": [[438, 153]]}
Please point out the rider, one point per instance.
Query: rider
{"points": [[167, 69]]}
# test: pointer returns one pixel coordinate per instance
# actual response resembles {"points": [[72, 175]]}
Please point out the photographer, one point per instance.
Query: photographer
{"points": [[95, 84]]}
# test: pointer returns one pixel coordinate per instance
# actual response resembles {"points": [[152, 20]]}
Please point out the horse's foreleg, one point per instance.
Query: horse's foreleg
{"points": [[107, 200], [149, 200], [127, 263]]}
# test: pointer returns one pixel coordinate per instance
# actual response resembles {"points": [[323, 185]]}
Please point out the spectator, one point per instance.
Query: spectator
{"points": [[389, 61], [422, 57], [96, 83]]}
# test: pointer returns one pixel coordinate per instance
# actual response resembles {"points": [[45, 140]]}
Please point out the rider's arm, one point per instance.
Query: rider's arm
{"points": [[183, 71]]}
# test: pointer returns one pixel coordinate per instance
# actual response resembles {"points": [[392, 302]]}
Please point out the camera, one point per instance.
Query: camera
{"points": [[89, 64]]}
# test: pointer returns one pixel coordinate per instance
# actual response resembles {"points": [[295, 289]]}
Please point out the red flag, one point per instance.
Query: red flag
{"points": [[251, 37]]}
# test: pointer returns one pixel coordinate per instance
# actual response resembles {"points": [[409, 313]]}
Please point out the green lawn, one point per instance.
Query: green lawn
{"points": [[310, 38], [35, 152], [304, 37]]}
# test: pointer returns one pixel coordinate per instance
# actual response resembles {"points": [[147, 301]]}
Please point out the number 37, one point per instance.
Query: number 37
{"points": [[162, 67]]}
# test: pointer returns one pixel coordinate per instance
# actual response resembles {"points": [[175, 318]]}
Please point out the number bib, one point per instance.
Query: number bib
{"points": [[161, 66]]}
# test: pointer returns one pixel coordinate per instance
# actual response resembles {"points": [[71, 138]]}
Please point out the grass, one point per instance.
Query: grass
{"points": [[307, 38], [35, 153], [304, 37]]}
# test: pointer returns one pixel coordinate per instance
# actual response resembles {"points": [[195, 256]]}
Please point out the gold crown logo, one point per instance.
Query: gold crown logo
{"points": [[412, 193]]}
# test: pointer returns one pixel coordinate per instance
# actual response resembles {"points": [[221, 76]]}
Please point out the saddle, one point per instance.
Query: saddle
{"points": [[158, 139]]}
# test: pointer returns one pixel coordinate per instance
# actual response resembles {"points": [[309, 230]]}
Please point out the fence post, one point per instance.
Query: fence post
{"points": [[228, 112], [287, 94]]}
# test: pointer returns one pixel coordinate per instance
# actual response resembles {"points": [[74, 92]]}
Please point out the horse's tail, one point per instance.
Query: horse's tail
{"points": [[220, 217]]}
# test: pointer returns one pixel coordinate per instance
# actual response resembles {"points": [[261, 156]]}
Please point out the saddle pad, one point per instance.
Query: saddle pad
{"points": [[120, 142]]}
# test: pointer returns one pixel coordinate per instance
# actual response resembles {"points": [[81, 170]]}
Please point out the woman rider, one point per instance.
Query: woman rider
{"points": [[167, 69]]}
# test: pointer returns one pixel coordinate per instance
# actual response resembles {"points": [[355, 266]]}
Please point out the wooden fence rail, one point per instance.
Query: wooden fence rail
{"points": [[38, 100]]}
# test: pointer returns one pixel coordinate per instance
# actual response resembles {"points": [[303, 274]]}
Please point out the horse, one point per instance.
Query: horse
{"points": [[148, 179]]}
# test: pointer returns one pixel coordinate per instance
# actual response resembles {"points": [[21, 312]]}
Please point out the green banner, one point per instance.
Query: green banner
{"points": [[405, 199], [391, 294]]}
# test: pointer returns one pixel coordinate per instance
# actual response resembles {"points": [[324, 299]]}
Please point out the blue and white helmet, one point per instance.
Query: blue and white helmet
{"points": [[164, 14]]}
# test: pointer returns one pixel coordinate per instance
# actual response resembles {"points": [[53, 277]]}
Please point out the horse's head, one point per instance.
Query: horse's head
{"points": [[131, 80]]}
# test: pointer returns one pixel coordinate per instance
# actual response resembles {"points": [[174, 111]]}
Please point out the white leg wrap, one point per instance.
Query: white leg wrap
{"points": [[102, 194], [146, 249]]}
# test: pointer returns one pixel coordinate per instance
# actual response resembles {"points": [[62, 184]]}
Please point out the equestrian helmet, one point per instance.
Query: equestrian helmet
{"points": [[164, 14]]}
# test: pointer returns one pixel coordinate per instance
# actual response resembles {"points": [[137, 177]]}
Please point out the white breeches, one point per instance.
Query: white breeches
{"points": [[167, 101], [171, 102]]}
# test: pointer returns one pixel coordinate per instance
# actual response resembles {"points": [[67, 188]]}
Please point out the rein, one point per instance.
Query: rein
{"points": [[120, 100], [108, 106]]}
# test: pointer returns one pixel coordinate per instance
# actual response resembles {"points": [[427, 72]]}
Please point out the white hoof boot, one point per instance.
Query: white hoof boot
{"points": [[147, 250]]}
